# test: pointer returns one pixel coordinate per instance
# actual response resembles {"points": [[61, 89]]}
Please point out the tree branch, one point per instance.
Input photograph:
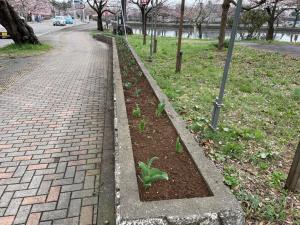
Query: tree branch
{"points": [[92, 6], [107, 10], [261, 2]]}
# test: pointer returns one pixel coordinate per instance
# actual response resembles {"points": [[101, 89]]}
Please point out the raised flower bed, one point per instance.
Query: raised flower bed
{"points": [[147, 126]]}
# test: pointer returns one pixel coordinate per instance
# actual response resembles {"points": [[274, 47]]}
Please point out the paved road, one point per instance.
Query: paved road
{"points": [[293, 50], [51, 135], [39, 29]]}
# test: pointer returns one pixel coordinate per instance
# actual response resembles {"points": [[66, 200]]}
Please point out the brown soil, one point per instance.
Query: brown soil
{"points": [[158, 139]]}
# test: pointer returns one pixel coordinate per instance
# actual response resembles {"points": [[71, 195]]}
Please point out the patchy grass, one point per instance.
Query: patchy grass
{"points": [[106, 32], [259, 125], [14, 50]]}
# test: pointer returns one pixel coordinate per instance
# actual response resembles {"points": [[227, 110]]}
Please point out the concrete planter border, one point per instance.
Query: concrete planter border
{"points": [[220, 209]]}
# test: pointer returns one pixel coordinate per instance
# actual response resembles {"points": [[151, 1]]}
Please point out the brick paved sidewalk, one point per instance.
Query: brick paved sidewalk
{"points": [[51, 135]]}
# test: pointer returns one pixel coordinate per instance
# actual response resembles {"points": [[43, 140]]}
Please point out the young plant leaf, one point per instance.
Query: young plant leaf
{"points": [[160, 108], [137, 92], [137, 111], [141, 126], [127, 85], [179, 147], [149, 174]]}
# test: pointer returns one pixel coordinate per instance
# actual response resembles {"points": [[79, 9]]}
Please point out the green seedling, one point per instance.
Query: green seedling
{"points": [[141, 126], [277, 179], [179, 147], [138, 92], [137, 111], [231, 176], [150, 175], [160, 108], [127, 85]]}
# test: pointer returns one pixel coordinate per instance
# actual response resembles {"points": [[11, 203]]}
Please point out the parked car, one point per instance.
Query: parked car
{"points": [[3, 33], [69, 20], [59, 21]]}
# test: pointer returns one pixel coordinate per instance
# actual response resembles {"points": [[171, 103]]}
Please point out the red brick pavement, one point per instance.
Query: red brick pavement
{"points": [[51, 135]]}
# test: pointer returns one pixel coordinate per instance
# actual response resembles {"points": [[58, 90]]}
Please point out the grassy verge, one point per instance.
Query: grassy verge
{"points": [[106, 32], [14, 50], [259, 125]]}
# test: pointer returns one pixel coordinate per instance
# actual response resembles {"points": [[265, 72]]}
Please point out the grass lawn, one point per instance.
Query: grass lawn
{"points": [[260, 121], [14, 50]]}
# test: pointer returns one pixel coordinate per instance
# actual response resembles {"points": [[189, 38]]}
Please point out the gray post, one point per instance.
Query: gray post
{"points": [[293, 180], [219, 100], [74, 12], [155, 27], [151, 44]]}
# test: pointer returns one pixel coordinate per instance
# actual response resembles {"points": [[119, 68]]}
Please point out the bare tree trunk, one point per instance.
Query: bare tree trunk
{"points": [[225, 10], [179, 52], [99, 22], [19, 30]]}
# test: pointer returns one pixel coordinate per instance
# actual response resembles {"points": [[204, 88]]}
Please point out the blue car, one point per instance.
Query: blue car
{"points": [[69, 20]]}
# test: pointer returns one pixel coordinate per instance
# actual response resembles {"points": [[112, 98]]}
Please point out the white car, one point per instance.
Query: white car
{"points": [[59, 21]]}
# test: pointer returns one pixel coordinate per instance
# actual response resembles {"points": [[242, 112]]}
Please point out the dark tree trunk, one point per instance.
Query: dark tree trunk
{"points": [[225, 10], [99, 22], [297, 11], [18, 29], [144, 26], [270, 32], [271, 12], [199, 26]]}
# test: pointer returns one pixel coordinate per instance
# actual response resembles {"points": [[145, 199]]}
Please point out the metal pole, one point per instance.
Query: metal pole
{"points": [[151, 44], [179, 53], [74, 12], [219, 100], [155, 27], [144, 25], [83, 15]]}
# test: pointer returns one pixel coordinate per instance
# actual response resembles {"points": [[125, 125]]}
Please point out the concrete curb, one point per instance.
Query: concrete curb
{"points": [[220, 209]]}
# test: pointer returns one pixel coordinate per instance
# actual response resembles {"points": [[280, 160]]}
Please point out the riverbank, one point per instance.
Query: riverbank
{"points": [[211, 26], [259, 126], [282, 34]]}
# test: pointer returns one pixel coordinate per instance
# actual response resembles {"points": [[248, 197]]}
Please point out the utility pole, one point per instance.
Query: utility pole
{"points": [[219, 100], [179, 53]]}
